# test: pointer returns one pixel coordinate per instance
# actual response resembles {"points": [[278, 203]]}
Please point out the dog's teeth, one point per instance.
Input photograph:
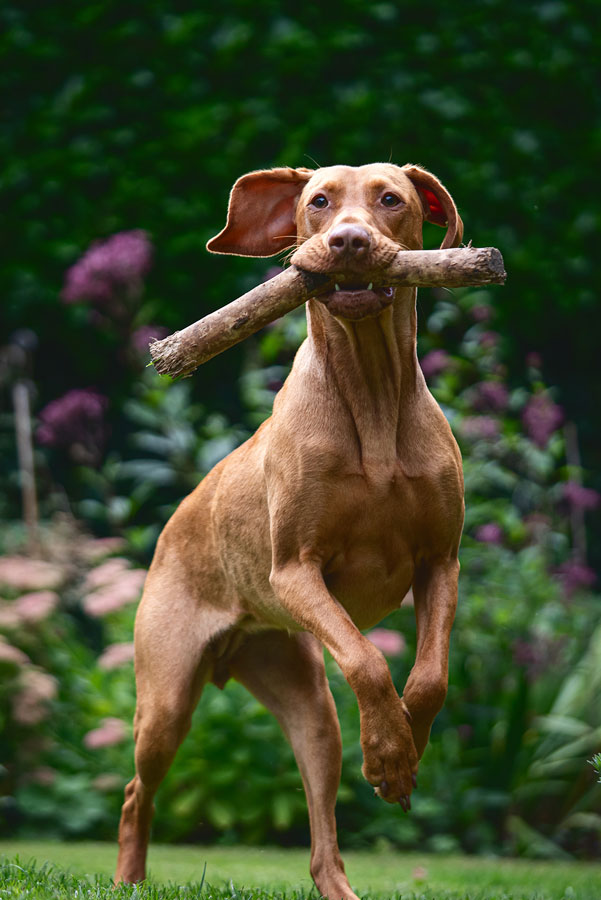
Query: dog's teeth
{"points": [[337, 286], [370, 286]]}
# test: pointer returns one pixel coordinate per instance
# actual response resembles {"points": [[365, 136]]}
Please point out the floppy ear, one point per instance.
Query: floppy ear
{"points": [[438, 204], [261, 213]]}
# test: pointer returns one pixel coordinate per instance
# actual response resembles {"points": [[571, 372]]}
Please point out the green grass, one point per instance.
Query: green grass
{"points": [[43, 870]]}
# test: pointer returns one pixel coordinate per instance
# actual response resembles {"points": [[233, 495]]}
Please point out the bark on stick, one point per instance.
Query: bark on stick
{"points": [[182, 352]]}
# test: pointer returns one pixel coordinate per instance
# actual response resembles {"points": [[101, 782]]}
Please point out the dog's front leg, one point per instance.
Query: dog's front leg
{"points": [[435, 597], [389, 755]]}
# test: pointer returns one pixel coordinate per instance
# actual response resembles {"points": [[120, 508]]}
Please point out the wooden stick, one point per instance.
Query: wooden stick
{"points": [[182, 352]]}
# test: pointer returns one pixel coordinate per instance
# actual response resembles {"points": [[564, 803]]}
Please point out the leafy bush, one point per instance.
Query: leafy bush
{"points": [[506, 769]]}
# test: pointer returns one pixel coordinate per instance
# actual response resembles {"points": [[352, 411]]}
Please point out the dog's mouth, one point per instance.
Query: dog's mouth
{"points": [[354, 300]]}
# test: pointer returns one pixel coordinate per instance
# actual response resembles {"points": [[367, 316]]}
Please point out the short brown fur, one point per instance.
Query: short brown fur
{"points": [[318, 526]]}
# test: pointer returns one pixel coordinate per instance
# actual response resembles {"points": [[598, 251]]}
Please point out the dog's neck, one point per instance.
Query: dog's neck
{"points": [[373, 365]]}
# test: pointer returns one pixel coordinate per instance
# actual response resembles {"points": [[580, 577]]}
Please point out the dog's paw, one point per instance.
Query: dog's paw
{"points": [[390, 759]]}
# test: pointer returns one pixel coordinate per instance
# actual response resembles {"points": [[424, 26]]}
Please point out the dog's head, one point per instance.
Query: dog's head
{"points": [[344, 220]]}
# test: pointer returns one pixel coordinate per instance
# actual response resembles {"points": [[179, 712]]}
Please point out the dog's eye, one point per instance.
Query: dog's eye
{"points": [[390, 200], [319, 202]]}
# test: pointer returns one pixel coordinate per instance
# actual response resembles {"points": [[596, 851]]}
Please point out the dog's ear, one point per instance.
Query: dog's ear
{"points": [[438, 204], [261, 213]]}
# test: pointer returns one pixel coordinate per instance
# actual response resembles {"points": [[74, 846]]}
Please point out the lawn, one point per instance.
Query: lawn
{"points": [[40, 870]]}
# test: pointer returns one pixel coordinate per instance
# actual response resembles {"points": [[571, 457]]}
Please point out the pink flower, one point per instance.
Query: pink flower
{"points": [[10, 654], [9, 617], [107, 781], [143, 335], [111, 731], [30, 574], [491, 533], [36, 606], [391, 643], [107, 573], [116, 655], [115, 266], [98, 548], [434, 362], [36, 690], [480, 428], [114, 596], [541, 418], [580, 497]]}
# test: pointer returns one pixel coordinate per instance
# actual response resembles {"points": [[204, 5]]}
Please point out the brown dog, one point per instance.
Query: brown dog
{"points": [[316, 527]]}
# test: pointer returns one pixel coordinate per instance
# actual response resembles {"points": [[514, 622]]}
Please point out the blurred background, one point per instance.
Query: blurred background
{"points": [[124, 129]]}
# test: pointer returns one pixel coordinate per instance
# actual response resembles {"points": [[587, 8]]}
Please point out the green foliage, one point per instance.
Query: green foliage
{"points": [[117, 121], [506, 768]]}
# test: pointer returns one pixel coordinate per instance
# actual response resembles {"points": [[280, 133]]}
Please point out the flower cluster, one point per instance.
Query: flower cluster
{"points": [[112, 586], [111, 268], [541, 418], [434, 362], [75, 421], [30, 702], [111, 731], [143, 335]]}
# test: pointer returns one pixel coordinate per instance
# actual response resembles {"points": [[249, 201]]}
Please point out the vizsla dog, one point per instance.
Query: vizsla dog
{"points": [[316, 527]]}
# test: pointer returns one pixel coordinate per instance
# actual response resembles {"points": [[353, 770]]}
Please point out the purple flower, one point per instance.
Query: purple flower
{"points": [[492, 396], [574, 576], [143, 335], [580, 497], [490, 533], [75, 421], [482, 312], [541, 417], [480, 428], [527, 655], [435, 362], [488, 339], [115, 266], [534, 360], [536, 654]]}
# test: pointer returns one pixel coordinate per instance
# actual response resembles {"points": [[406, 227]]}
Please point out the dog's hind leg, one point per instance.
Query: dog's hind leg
{"points": [[172, 665], [287, 674]]}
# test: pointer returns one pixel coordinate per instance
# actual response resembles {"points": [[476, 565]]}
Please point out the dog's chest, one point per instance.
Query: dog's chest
{"points": [[375, 534]]}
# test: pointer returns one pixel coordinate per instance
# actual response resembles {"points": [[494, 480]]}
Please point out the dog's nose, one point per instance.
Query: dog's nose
{"points": [[349, 240]]}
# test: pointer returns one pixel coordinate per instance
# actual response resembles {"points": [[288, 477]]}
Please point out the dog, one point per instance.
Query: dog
{"points": [[312, 531]]}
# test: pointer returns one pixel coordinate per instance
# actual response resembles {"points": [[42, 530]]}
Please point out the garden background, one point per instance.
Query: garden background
{"points": [[124, 129]]}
